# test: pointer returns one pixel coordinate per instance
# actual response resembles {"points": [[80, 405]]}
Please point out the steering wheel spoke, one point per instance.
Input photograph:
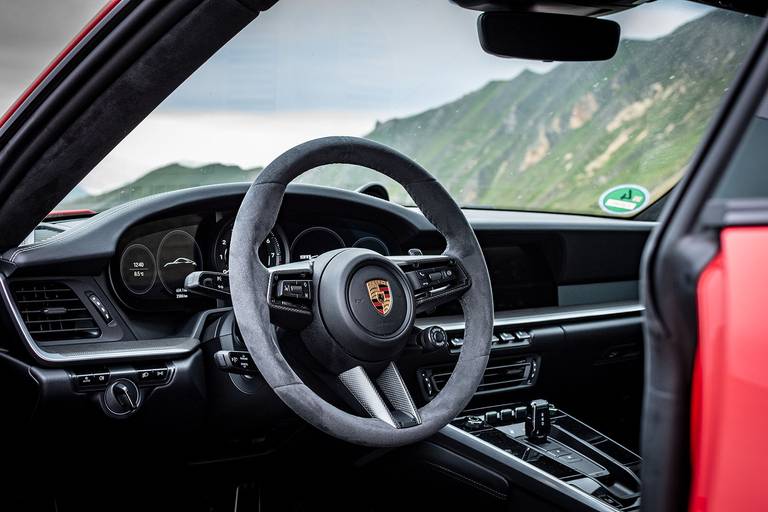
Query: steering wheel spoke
{"points": [[387, 398], [436, 280], [290, 295]]}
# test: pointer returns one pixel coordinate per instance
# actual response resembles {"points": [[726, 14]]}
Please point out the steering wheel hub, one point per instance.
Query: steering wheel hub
{"points": [[366, 304], [376, 300]]}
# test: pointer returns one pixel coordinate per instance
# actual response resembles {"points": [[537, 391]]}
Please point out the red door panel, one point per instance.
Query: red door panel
{"points": [[730, 387]]}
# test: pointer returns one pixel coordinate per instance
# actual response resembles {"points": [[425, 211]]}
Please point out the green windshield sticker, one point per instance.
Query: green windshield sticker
{"points": [[624, 199]]}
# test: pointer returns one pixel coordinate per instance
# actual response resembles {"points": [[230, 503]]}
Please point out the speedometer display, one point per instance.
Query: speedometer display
{"points": [[270, 251]]}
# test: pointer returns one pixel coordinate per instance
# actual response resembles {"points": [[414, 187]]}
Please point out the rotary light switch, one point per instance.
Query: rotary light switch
{"points": [[121, 398]]}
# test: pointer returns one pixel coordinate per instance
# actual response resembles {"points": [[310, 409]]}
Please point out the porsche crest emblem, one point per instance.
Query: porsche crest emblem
{"points": [[381, 297]]}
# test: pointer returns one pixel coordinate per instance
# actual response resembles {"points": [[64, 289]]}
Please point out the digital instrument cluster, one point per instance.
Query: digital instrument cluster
{"points": [[177, 256], [155, 258], [153, 264]]}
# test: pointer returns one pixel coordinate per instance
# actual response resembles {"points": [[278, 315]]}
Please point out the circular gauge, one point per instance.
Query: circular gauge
{"points": [[270, 251], [177, 256], [372, 243], [313, 242], [138, 269]]}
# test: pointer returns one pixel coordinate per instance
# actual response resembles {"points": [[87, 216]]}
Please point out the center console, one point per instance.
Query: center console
{"points": [[537, 446]]}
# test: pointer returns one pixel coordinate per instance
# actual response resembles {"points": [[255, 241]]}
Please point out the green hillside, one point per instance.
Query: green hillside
{"points": [[553, 141], [164, 179]]}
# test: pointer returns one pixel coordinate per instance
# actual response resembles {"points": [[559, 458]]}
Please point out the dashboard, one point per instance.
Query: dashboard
{"points": [[154, 257], [134, 258]]}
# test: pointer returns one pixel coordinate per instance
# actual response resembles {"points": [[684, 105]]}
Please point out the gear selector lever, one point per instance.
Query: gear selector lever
{"points": [[537, 424]]}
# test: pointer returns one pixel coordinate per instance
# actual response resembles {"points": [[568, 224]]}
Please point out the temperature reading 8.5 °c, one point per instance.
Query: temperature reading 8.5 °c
{"points": [[137, 269]]}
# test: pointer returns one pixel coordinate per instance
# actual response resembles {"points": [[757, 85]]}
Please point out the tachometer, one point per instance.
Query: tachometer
{"points": [[270, 251], [177, 256]]}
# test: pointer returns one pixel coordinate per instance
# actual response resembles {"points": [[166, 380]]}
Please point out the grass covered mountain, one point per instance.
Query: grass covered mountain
{"points": [[555, 141], [164, 179], [551, 141]]}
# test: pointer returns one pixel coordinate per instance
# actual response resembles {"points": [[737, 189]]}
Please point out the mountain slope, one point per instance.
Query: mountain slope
{"points": [[555, 141], [164, 179]]}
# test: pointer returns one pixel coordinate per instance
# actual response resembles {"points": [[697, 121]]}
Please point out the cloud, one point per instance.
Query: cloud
{"points": [[247, 139], [401, 55], [650, 21]]}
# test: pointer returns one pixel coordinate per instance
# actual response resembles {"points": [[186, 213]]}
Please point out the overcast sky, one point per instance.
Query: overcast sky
{"points": [[305, 68]]}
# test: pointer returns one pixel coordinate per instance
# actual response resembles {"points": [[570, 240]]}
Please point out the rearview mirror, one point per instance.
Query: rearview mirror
{"points": [[550, 37]]}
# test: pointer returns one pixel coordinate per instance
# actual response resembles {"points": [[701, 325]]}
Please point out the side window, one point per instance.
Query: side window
{"points": [[747, 173]]}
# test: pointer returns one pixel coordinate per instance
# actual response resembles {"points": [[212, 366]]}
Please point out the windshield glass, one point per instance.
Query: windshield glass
{"points": [[600, 138]]}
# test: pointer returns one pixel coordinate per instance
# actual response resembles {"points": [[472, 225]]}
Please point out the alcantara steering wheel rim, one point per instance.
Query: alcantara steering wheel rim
{"points": [[253, 291]]}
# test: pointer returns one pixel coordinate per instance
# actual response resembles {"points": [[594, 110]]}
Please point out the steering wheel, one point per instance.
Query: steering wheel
{"points": [[353, 308]]}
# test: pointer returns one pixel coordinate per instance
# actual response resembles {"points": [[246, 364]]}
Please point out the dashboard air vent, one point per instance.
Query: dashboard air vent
{"points": [[500, 375], [52, 311]]}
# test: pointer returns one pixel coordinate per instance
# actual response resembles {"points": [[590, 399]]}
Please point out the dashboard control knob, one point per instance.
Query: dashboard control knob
{"points": [[433, 338], [472, 423], [123, 395], [121, 398]]}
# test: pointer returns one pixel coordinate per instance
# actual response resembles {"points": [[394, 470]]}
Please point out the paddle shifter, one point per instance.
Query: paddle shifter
{"points": [[537, 424]]}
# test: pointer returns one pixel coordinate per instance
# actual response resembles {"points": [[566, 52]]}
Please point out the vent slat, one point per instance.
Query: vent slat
{"points": [[63, 330], [53, 311], [87, 319], [40, 311], [47, 290], [35, 301], [509, 374]]}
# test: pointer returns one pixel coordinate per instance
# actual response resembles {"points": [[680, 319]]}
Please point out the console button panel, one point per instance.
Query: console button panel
{"points": [[91, 380], [97, 379], [573, 452], [432, 277], [103, 311], [502, 338]]}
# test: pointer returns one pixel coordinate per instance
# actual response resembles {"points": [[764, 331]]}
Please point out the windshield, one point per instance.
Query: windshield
{"points": [[604, 138]]}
